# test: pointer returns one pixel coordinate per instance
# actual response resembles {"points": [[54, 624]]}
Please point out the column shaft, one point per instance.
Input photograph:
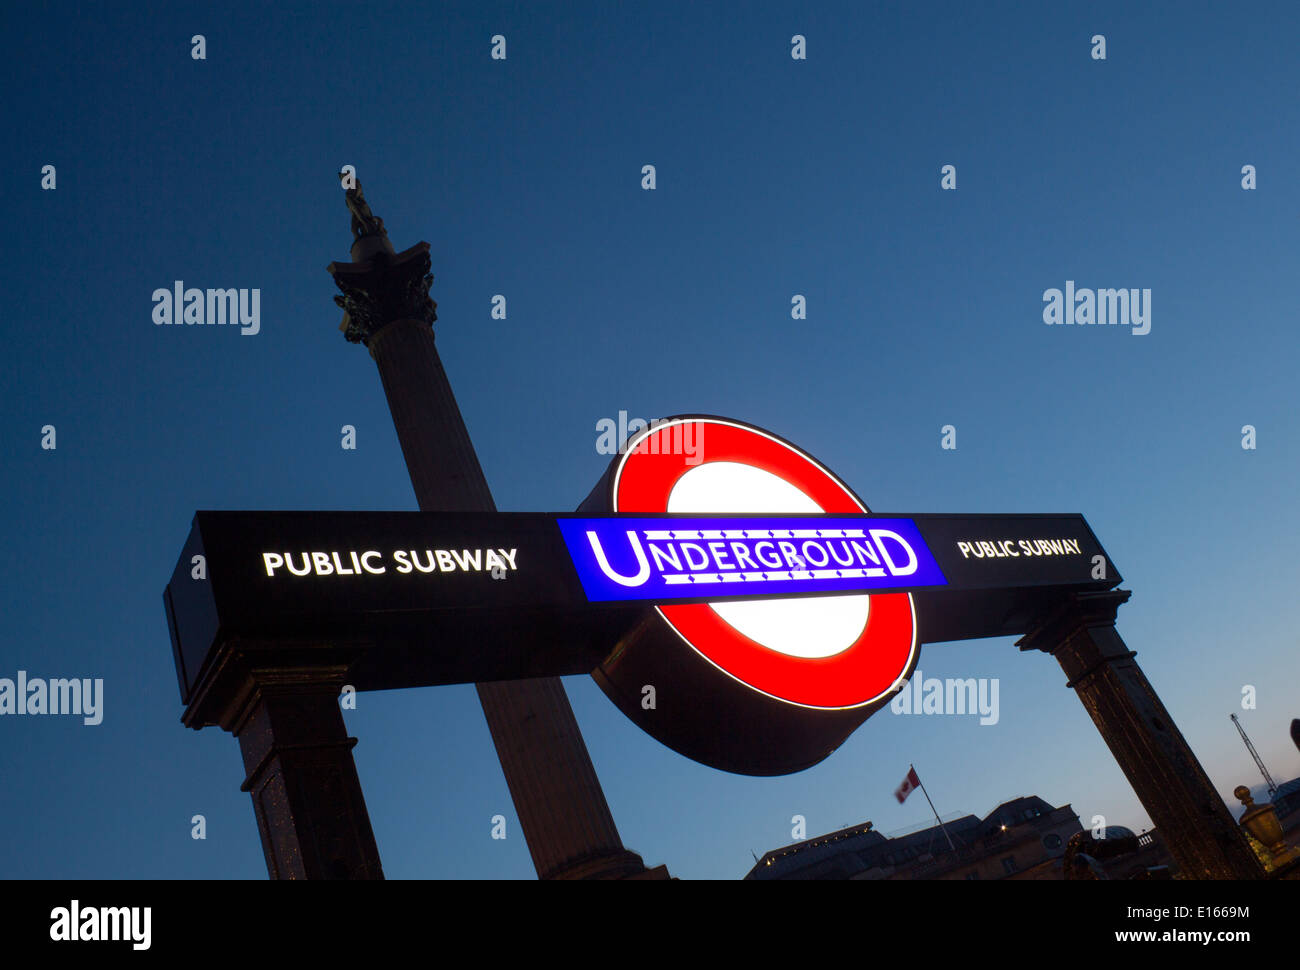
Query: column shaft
{"points": [[303, 780], [562, 810], [1166, 776]]}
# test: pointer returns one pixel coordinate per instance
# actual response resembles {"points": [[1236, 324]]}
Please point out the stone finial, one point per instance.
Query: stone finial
{"points": [[1261, 823]]}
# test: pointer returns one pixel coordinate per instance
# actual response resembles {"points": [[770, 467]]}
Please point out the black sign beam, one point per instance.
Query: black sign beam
{"points": [[407, 591]]}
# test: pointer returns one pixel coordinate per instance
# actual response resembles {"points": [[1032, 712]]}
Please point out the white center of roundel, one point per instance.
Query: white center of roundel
{"points": [[804, 627]]}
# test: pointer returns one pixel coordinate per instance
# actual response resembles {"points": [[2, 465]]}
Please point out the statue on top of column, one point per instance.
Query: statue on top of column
{"points": [[364, 222]]}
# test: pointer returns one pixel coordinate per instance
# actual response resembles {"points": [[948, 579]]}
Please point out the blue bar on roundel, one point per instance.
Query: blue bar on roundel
{"points": [[622, 558]]}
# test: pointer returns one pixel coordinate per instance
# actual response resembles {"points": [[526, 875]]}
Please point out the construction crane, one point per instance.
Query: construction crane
{"points": [[1272, 785]]}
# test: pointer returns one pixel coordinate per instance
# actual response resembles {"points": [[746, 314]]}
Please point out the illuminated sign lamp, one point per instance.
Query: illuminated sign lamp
{"points": [[733, 598], [759, 686]]}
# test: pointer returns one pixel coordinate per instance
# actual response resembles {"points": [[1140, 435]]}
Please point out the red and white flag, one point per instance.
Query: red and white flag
{"points": [[909, 785]]}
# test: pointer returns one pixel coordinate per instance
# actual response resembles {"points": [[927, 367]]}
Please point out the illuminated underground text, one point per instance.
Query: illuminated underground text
{"points": [[661, 559]]}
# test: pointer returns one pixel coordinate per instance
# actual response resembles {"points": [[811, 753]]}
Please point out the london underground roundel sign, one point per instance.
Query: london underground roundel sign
{"points": [[757, 686]]}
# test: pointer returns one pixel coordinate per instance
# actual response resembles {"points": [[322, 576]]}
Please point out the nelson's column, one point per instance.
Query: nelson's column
{"points": [[561, 808]]}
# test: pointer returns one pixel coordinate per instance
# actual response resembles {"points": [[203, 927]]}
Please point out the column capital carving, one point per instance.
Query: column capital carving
{"points": [[384, 288]]}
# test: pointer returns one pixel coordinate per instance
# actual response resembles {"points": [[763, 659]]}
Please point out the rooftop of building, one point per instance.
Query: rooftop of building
{"points": [[1287, 797], [856, 849]]}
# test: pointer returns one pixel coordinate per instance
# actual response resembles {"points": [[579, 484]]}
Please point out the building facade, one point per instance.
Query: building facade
{"points": [[1024, 838]]}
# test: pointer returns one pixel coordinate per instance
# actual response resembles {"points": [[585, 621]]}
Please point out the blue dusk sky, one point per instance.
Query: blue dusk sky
{"points": [[775, 177]]}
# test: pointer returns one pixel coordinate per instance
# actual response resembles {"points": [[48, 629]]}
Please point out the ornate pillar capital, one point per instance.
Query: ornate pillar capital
{"points": [[384, 288]]}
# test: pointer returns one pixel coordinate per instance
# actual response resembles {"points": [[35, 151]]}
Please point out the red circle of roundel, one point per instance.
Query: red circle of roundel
{"points": [[856, 676]]}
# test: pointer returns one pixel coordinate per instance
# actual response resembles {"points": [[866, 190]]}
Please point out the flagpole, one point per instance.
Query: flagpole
{"points": [[936, 814]]}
